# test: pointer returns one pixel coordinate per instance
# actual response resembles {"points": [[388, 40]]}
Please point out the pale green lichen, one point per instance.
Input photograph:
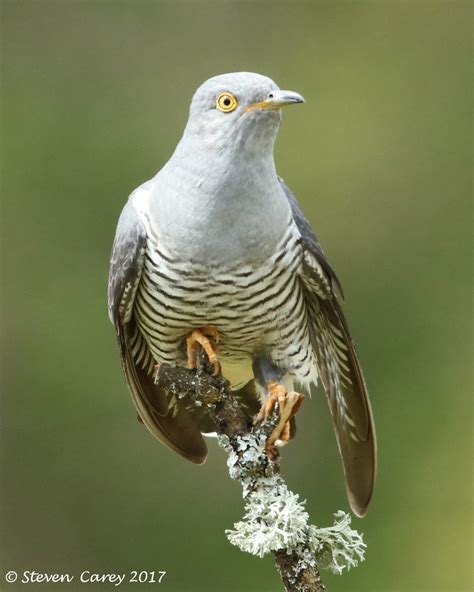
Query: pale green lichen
{"points": [[276, 519], [337, 546]]}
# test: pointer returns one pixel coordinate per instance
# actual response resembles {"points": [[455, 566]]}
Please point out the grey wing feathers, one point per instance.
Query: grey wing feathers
{"points": [[171, 424], [126, 264], [338, 367], [311, 244]]}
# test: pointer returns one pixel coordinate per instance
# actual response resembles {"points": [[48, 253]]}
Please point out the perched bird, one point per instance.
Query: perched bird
{"points": [[215, 249]]}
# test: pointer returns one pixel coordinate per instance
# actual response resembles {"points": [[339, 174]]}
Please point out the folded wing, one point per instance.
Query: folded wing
{"points": [[166, 419], [338, 367]]}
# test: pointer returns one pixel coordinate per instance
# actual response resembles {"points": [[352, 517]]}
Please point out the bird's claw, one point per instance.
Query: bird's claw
{"points": [[288, 403], [200, 337]]}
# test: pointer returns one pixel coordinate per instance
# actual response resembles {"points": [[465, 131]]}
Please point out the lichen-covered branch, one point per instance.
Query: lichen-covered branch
{"points": [[275, 520]]}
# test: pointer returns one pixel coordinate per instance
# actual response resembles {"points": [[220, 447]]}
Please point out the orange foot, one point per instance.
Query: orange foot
{"points": [[288, 402], [200, 337]]}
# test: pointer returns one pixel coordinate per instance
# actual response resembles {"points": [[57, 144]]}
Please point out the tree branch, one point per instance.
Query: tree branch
{"points": [[275, 520]]}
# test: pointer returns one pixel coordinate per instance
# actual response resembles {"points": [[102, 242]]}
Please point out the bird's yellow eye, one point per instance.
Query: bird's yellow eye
{"points": [[226, 102]]}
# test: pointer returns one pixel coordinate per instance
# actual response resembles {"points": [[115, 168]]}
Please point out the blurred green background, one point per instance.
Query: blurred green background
{"points": [[94, 99]]}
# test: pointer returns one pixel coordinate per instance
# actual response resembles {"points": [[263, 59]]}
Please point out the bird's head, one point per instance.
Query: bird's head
{"points": [[238, 110]]}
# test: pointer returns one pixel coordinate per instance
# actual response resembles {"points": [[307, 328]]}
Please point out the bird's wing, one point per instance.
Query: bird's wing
{"points": [[338, 366], [171, 424], [126, 264]]}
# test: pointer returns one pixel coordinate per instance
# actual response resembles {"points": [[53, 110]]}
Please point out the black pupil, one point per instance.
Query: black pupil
{"points": [[227, 101]]}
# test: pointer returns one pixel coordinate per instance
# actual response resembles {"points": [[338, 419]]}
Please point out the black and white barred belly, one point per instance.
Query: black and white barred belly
{"points": [[255, 307]]}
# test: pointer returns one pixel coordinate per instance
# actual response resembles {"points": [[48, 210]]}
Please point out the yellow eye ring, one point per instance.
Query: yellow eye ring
{"points": [[226, 102]]}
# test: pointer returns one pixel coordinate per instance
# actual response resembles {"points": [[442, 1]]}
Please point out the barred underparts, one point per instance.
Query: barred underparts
{"points": [[254, 306]]}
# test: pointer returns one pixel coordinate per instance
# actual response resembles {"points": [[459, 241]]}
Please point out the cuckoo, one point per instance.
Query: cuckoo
{"points": [[215, 252]]}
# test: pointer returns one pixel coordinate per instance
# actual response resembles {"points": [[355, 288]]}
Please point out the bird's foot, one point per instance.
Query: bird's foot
{"points": [[202, 337], [288, 403]]}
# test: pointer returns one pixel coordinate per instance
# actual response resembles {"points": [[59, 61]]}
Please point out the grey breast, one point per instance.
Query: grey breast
{"points": [[253, 297]]}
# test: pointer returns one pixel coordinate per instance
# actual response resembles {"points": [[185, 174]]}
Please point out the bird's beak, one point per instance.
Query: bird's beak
{"points": [[279, 99]]}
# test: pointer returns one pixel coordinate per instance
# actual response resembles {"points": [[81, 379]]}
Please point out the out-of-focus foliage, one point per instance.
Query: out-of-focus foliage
{"points": [[94, 98]]}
